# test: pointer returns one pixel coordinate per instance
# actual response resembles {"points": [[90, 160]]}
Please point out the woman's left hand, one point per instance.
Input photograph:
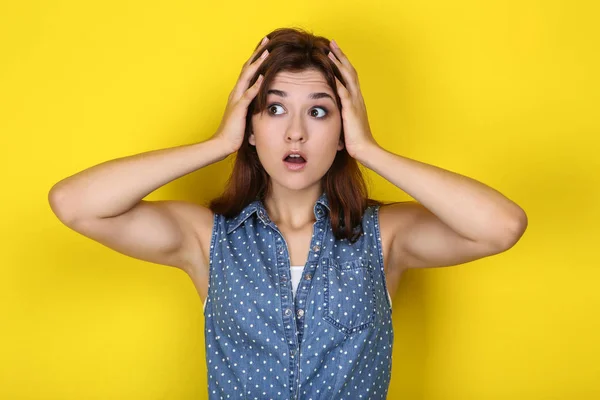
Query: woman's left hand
{"points": [[357, 132]]}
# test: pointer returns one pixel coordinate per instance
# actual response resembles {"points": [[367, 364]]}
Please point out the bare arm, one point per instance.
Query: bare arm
{"points": [[114, 187], [105, 203], [455, 218]]}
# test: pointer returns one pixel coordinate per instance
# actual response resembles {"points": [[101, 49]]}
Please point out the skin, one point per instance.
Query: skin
{"points": [[454, 220], [296, 122]]}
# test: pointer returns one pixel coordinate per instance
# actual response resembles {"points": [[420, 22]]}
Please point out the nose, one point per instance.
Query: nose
{"points": [[296, 131]]}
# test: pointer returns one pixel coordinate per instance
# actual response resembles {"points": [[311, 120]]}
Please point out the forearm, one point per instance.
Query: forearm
{"points": [[470, 208], [114, 187]]}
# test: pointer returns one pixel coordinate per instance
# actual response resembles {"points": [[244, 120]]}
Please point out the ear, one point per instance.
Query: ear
{"points": [[252, 139], [341, 143]]}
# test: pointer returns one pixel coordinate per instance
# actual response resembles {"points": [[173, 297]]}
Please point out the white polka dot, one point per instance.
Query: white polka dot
{"points": [[270, 332]]}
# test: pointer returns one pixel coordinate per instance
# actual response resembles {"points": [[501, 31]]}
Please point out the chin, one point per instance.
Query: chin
{"points": [[299, 183]]}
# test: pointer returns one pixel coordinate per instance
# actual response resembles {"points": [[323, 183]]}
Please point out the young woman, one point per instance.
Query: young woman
{"points": [[296, 265]]}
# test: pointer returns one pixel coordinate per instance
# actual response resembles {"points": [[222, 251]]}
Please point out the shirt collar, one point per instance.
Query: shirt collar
{"points": [[257, 207]]}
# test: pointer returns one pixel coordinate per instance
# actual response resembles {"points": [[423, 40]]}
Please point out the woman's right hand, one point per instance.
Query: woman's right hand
{"points": [[233, 124]]}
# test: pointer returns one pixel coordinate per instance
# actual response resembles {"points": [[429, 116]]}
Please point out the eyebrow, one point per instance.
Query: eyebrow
{"points": [[313, 96]]}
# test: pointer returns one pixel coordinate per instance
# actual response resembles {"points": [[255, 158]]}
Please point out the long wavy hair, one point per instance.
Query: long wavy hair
{"points": [[295, 50]]}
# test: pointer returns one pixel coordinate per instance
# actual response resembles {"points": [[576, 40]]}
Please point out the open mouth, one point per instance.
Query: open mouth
{"points": [[294, 162], [295, 159]]}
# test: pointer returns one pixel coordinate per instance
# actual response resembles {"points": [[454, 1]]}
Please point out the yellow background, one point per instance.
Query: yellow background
{"points": [[506, 92]]}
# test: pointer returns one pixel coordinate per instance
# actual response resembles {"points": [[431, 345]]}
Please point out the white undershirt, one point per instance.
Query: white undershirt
{"points": [[296, 275]]}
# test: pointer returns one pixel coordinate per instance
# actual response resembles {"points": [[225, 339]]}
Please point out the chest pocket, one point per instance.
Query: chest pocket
{"points": [[349, 294]]}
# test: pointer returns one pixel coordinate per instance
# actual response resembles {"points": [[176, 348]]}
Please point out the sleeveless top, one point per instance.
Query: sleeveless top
{"points": [[332, 340], [296, 276]]}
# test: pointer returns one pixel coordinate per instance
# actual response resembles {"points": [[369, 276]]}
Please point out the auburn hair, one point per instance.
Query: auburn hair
{"points": [[295, 50]]}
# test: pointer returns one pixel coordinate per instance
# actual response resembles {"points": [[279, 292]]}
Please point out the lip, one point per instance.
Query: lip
{"points": [[295, 152], [295, 166]]}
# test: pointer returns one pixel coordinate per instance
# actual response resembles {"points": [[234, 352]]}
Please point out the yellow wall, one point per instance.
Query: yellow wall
{"points": [[505, 92]]}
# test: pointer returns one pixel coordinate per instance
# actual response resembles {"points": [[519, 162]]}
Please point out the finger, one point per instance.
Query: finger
{"points": [[255, 55], [247, 74], [348, 77], [341, 56], [249, 70], [254, 58], [343, 93], [259, 49], [251, 93]]}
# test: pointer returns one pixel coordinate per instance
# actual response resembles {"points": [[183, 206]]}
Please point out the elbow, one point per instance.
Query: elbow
{"points": [[58, 201], [513, 230]]}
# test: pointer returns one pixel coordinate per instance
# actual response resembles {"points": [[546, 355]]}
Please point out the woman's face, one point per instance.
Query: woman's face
{"points": [[292, 120]]}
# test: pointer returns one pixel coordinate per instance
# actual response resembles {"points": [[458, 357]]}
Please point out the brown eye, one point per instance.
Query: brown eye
{"points": [[271, 107], [317, 116]]}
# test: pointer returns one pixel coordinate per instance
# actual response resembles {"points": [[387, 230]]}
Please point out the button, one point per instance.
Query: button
{"points": [[307, 277], [316, 248], [300, 313], [284, 279], [287, 311], [292, 353]]}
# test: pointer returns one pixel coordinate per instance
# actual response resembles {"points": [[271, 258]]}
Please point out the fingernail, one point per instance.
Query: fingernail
{"points": [[334, 44], [264, 54], [264, 40]]}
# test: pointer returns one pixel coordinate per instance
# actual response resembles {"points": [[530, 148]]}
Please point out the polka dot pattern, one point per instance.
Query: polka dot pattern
{"points": [[332, 340]]}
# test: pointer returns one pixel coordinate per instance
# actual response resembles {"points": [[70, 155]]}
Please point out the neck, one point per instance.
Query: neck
{"points": [[293, 209]]}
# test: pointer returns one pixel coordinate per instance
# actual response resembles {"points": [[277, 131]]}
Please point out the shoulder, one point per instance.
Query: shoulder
{"points": [[395, 218], [204, 227], [201, 219], [404, 211]]}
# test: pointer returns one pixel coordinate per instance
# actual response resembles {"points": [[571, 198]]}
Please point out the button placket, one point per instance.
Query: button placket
{"points": [[319, 238], [287, 303]]}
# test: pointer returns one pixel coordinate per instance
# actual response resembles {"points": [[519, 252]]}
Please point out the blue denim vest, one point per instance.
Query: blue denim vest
{"points": [[333, 341]]}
